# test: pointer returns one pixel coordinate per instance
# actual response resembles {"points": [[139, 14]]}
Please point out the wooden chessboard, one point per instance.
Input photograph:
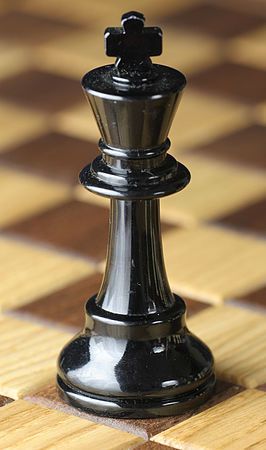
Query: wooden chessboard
{"points": [[53, 233]]}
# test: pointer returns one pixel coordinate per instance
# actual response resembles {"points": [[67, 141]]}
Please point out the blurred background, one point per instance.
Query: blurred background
{"points": [[213, 231]]}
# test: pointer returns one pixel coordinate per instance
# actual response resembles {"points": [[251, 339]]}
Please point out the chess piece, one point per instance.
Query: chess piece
{"points": [[135, 356]]}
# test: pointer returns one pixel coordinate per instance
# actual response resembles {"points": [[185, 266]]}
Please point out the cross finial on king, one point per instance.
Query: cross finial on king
{"points": [[133, 44]]}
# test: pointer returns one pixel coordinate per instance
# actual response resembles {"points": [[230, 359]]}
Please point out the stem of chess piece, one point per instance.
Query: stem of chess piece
{"points": [[135, 356]]}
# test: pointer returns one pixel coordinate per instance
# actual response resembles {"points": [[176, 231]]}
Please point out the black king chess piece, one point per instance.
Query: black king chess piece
{"points": [[135, 356]]}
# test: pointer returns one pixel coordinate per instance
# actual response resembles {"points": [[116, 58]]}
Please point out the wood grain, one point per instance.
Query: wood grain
{"points": [[216, 189], [237, 338], [48, 130], [48, 396], [5, 400], [77, 226], [65, 306], [153, 446], [30, 352], [214, 264], [237, 423], [23, 195], [86, 232], [23, 426], [29, 271]]}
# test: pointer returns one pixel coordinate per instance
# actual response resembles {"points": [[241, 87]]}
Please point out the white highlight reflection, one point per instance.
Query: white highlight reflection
{"points": [[105, 354]]}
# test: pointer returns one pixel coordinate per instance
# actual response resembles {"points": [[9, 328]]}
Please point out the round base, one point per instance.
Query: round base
{"points": [[136, 408]]}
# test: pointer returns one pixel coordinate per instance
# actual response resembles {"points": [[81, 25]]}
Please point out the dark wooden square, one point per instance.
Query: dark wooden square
{"points": [[215, 20], [66, 306], [49, 397], [153, 446], [250, 218], [54, 155], [41, 91], [238, 82], [75, 226], [246, 146], [256, 298], [258, 6], [5, 400], [195, 306], [22, 28]]}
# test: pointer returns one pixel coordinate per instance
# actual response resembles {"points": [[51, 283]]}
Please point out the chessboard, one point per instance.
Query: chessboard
{"points": [[53, 233]]}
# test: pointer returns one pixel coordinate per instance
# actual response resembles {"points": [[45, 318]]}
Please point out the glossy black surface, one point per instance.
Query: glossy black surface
{"points": [[133, 45], [150, 117], [135, 237], [135, 180], [136, 379], [135, 356]]}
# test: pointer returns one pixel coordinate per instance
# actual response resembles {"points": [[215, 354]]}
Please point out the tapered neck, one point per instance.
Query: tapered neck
{"points": [[135, 281]]}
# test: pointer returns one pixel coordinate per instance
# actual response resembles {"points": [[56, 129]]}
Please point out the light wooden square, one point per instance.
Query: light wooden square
{"points": [[14, 59], [216, 189], [19, 124], [250, 48], [188, 51], [213, 264], [84, 195], [236, 337], [30, 271], [26, 426], [104, 14], [71, 55], [201, 118], [24, 194], [237, 423], [78, 122], [29, 352]]}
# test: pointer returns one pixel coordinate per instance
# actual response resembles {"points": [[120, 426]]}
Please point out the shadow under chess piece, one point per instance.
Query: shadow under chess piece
{"points": [[135, 356]]}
